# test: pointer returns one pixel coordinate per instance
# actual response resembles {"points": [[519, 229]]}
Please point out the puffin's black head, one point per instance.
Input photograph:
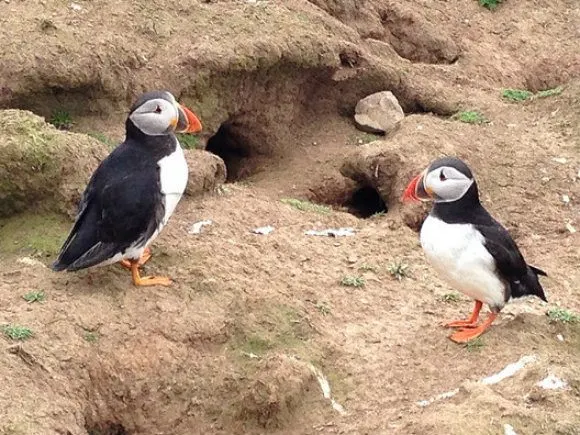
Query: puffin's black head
{"points": [[157, 113], [447, 179]]}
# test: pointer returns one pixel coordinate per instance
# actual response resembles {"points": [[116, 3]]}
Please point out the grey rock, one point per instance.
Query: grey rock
{"points": [[378, 113]]}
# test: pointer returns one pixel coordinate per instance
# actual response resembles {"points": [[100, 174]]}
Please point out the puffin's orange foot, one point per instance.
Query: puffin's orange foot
{"points": [[461, 324], [468, 334], [152, 280], [469, 323], [146, 280], [145, 257]]}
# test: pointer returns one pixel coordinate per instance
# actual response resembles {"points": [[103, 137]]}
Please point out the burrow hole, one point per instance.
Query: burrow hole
{"points": [[235, 150], [106, 429], [365, 202]]}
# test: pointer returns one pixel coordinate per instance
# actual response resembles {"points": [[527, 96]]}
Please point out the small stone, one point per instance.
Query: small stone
{"points": [[378, 113]]}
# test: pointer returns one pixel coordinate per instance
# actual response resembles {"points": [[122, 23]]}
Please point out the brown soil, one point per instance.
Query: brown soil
{"points": [[233, 345]]}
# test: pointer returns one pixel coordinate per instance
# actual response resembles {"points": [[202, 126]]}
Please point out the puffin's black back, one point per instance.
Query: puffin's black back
{"points": [[122, 205]]}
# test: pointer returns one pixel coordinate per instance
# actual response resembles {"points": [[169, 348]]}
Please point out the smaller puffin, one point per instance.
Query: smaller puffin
{"points": [[469, 249], [133, 192]]}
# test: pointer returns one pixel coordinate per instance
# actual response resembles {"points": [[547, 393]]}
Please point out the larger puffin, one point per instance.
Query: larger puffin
{"points": [[133, 192], [469, 249]]}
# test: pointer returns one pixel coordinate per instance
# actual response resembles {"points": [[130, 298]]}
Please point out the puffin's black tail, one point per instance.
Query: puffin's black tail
{"points": [[530, 284]]}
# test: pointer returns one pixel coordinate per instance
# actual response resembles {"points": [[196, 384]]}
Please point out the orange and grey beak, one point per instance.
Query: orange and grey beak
{"points": [[416, 190], [187, 121]]}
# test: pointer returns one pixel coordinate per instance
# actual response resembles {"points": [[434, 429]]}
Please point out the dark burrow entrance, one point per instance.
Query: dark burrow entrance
{"points": [[366, 202], [106, 429], [235, 151]]}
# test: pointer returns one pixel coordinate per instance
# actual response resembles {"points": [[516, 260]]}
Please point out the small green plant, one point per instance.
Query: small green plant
{"points": [[323, 308], [34, 296], [516, 94], [17, 332], [61, 119], [103, 138], [549, 92], [367, 268], [490, 4], [470, 117], [475, 345], [353, 281], [91, 336], [189, 141], [562, 315], [451, 297], [306, 206], [399, 270]]}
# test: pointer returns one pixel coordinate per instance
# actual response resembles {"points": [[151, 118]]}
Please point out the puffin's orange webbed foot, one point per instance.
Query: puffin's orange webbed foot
{"points": [[139, 280], [468, 334], [144, 259], [469, 323]]}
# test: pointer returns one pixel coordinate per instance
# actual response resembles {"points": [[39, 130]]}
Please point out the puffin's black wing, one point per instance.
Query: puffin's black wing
{"points": [[511, 265], [121, 206]]}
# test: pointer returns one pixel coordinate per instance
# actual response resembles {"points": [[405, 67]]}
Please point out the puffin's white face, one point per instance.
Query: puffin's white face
{"points": [[156, 117], [446, 184], [446, 180]]}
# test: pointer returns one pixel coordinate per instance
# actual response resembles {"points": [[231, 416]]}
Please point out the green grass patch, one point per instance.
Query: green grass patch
{"points": [[549, 92], [365, 267], [516, 94], [399, 270], [451, 298], [33, 234], [61, 119], [470, 117], [189, 141], [101, 137], [323, 308], [91, 336], [17, 332], [34, 296], [306, 206], [490, 4], [353, 281], [475, 345], [562, 315]]}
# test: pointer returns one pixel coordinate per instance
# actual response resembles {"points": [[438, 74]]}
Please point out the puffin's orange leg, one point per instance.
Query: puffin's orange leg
{"points": [[139, 280], [469, 323], [468, 334], [144, 259]]}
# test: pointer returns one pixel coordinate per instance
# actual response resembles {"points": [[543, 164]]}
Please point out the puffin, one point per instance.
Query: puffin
{"points": [[133, 192], [467, 247]]}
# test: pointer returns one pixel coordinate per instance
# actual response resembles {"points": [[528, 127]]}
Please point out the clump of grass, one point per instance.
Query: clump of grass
{"points": [[399, 270], [549, 92], [61, 119], [562, 315], [452, 297], [353, 281], [475, 345], [306, 205], [470, 117], [91, 336], [17, 332], [367, 268], [101, 137], [490, 4], [34, 296], [189, 141], [516, 94], [323, 308]]}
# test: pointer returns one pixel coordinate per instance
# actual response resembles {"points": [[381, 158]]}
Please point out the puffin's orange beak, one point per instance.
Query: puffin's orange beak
{"points": [[416, 190], [187, 122]]}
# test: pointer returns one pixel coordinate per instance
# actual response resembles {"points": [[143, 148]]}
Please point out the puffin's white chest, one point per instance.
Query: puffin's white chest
{"points": [[173, 174], [457, 252]]}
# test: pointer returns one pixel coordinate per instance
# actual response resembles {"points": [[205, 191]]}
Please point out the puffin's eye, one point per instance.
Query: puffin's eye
{"points": [[158, 109], [442, 176]]}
